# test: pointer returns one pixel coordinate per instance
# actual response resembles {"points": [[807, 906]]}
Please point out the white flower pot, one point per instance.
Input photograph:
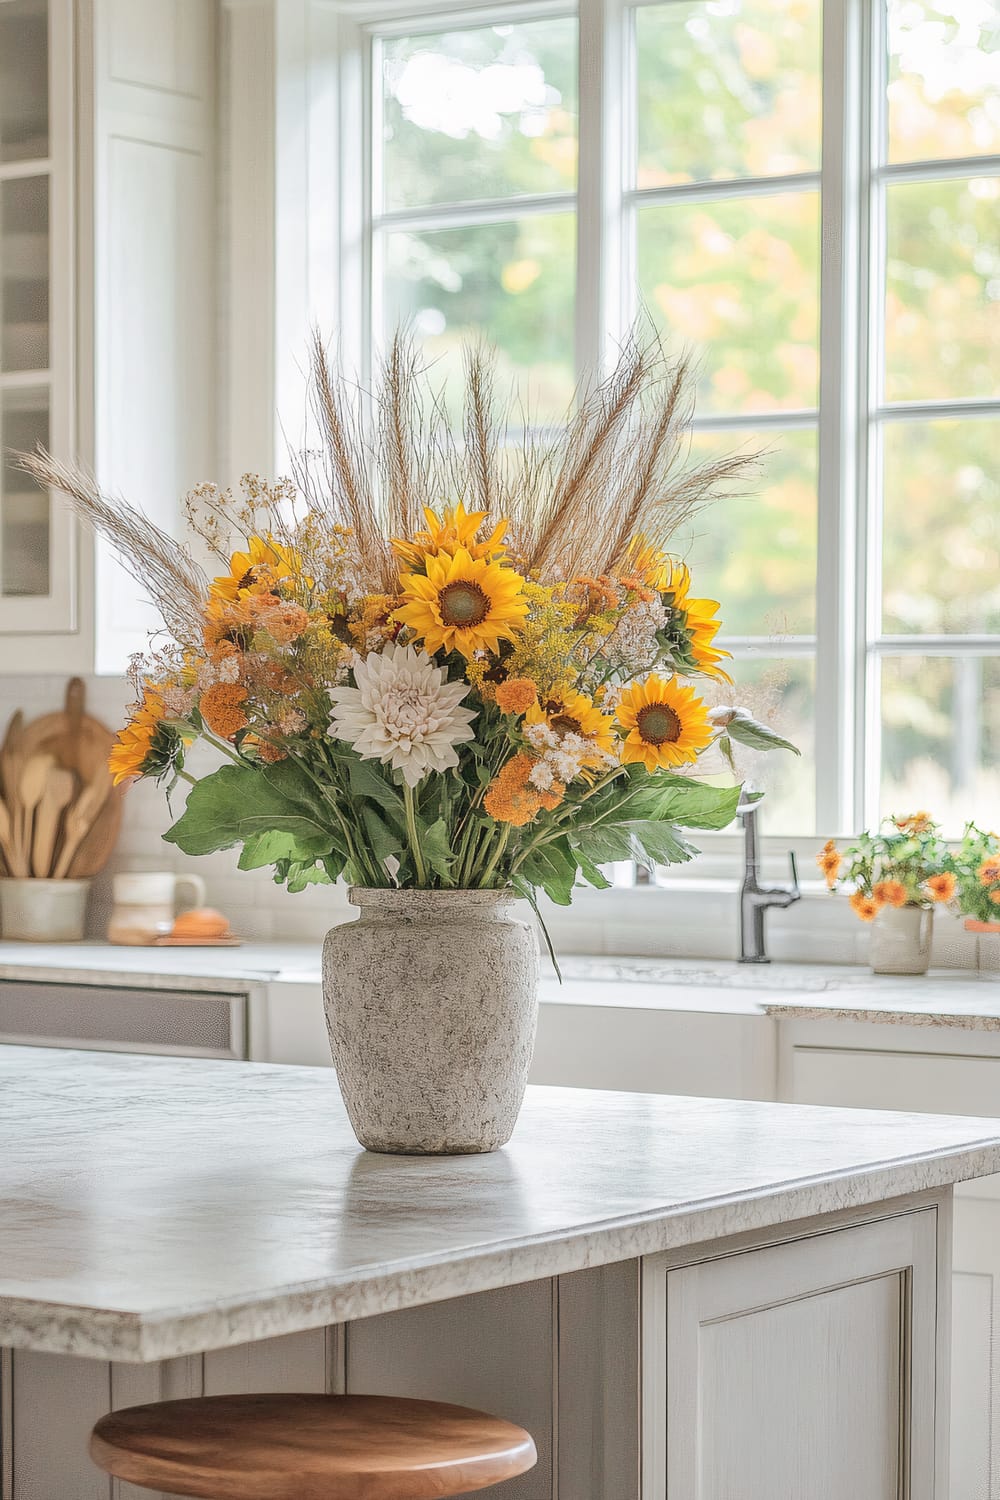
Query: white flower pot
{"points": [[431, 1005], [987, 946], [901, 940], [43, 911]]}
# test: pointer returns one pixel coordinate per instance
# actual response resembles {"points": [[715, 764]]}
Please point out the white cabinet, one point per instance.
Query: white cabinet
{"points": [[108, 305], [940, 1072], [37, 334], [828, 1341]]}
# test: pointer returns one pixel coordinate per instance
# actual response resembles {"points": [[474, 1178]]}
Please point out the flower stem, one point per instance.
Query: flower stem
{"points": [[495, 857], [411, 831]]}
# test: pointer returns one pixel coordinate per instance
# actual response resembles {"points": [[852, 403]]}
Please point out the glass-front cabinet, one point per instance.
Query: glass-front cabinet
{"points": [[36, 311]]}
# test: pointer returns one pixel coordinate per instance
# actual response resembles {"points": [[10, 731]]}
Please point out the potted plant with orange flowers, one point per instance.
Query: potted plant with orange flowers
{"points": [[977, 866], [897, 877], [455, 672]]}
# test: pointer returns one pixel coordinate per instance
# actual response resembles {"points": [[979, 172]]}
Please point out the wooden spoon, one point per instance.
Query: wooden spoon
{"points": [[11, 854], [79, 820], [10, 757], [60, 789], [69, 745], [30, 791]]}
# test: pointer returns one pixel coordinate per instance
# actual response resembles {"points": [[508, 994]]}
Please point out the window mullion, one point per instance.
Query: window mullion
{"points": [[601, 315], [843, 402]]}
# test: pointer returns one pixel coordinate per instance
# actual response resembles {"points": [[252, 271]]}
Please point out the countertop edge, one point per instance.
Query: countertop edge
{"points": [[135, 1338]]}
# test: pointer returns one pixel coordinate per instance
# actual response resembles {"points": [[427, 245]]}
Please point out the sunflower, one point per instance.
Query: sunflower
{"points": [[456, 528], [650, 568], [148, 745], [666, 723], [569, 712], [702, 627], [463, 603], [265, 561]]}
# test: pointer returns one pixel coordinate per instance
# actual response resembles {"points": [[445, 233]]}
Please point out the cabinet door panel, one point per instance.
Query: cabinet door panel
{"points": [[830, 1342]]}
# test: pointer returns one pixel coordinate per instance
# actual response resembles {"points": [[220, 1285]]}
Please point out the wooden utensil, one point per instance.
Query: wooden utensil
{"points": [[10, 757], [79, 821], [60, 789], [69, 745], [10, 851], [30, 791], [96, 846]]}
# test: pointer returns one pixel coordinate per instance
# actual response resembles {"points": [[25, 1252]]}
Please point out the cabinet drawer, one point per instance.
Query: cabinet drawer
{"points": [[930, 1083], [117, 1019]]}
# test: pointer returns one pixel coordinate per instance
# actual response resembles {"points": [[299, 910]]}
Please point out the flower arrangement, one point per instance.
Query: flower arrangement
{"points": [[906, 863], [977, 868], [439, 660]]}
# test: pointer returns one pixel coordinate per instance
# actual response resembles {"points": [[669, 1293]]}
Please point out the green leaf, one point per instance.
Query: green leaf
{"points": [[695, 804], [552, 867], [237, 802], [757, 736], [590, 872], [381, 841], [659, 844], [603, 845], [435, 846], [367, 780], [303, 875], [267, 848]]}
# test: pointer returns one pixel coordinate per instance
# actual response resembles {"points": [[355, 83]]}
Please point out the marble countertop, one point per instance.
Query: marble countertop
{"points": [[152, 1207], [959, 998]]}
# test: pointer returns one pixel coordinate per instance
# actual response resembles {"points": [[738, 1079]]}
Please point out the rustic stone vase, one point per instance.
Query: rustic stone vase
{"points": [[901, 940], [431, 1005]]}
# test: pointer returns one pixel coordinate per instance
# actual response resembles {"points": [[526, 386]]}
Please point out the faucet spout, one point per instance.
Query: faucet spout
{"points": [[756, 898]]}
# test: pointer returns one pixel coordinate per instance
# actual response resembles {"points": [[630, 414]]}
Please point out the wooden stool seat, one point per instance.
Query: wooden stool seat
{"points": [[302, 1447]]}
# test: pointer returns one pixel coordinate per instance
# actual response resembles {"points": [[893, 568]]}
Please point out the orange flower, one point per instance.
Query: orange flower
{"points": [[284, 623], [989, 870], [511, 798], [516, 695], [865, 907], [270, 753], [917, 822], [995, 897], [220, 708], [829, 861], [889, 893], [941, 887]]}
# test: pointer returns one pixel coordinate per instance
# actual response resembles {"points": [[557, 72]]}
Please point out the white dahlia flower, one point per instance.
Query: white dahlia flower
{"points": [[403, 712]]}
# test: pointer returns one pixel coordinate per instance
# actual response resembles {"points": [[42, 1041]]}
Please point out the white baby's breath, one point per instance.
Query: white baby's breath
{"points": [[403, 712]]}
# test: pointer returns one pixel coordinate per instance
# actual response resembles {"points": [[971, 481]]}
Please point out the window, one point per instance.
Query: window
{"points": [[807, 194]]}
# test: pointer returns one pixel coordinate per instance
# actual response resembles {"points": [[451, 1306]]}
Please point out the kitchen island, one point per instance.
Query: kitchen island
{"points": [[677, 1296]]}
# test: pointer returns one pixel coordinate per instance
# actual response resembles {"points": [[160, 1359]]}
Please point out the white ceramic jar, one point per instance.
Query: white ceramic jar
{"points": [[146, 902], [43, 911]]}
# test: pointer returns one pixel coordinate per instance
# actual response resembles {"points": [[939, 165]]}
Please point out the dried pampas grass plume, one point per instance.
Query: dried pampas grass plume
{"points": [[162, 566]]}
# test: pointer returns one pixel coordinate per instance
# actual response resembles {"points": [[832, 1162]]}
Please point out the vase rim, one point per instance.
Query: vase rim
{"points": [[395, 897]]}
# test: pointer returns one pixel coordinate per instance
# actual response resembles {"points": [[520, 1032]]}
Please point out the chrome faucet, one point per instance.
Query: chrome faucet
{"points": [[756, 898]]}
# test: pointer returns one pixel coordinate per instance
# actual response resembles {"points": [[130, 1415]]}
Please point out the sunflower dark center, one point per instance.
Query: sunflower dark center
{"points": [[566, 724], [248, 580], [658, 724], [463, 604]]}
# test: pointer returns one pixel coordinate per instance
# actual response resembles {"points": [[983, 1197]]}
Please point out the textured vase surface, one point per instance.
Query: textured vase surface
{"points": [[901, 940], [431, 1005]]}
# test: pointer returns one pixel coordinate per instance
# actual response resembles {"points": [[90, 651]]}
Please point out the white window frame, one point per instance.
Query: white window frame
{"points": [[849, 645]]}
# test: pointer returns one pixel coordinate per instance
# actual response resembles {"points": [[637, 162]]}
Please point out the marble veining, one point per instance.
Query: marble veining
{"points": [[152, 1207]]}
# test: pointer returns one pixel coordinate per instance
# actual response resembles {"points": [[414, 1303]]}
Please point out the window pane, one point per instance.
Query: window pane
{"points": [[756, 551], [510, 283], [727, 88], [941, 738], [941, 541], [943, 290], [738, 280], [24, 508], [781, 692], [481, 113], [24, 80], [24, 267], [944, 79]]}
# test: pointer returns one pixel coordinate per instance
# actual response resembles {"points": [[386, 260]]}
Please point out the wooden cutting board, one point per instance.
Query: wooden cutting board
{"points": [[82, 745]]}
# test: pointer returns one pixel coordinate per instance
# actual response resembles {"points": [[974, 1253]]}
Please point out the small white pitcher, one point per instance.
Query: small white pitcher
{"points": [[146, 903], [901, 940]]}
